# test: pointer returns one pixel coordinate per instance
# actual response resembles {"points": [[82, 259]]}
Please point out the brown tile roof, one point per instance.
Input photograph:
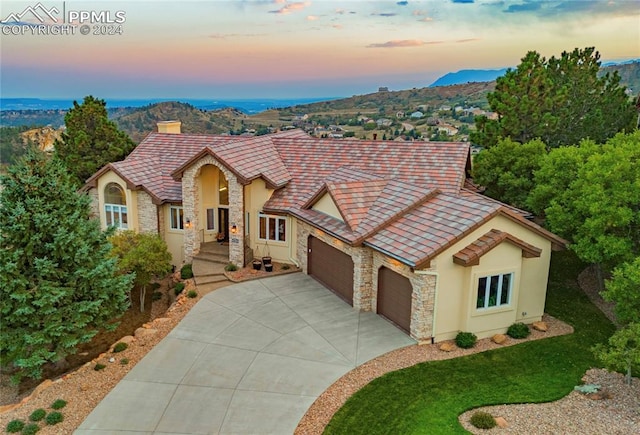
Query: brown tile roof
{"points": [[470, 255]]}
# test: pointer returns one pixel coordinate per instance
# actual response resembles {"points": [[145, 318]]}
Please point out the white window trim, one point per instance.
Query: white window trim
{"points": [[278, 218], [177, 209], [117, 221], [498, 306], [215, 219]]}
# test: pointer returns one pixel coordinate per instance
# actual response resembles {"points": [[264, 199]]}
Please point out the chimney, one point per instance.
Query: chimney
{"points": [[171, 127], [375, 136]]}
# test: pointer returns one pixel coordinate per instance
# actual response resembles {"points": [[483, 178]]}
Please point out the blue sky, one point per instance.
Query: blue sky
{"points": [[288, 49]]}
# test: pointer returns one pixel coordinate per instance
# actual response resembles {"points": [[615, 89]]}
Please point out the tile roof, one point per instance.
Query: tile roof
{"points": [[470, 255]]}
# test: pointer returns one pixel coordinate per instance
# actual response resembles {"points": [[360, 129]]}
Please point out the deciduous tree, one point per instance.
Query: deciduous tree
{"points": [[91, 140], [59, 285], [143, 254], [622, 351]]}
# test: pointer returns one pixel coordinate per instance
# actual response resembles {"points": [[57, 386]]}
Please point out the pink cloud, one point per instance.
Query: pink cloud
{"points": [[462, 41], [290, 7], [312, 17], [399, 43]]}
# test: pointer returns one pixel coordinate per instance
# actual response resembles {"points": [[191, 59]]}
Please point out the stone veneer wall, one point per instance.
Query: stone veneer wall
{"points": [[191, 206], [422, 297], [147, 213], [362, 262], [93, 194]]}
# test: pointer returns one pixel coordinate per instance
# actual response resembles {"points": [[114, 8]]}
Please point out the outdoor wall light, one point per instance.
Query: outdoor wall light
{"points": [[188, 223], [234, 229]]}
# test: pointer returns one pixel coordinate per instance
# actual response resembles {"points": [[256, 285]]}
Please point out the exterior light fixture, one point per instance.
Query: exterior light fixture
{"points": [[188, 223], [234, 229]]}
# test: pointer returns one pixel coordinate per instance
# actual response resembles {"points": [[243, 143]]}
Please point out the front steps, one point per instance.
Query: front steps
{"points": [[208, 266]]}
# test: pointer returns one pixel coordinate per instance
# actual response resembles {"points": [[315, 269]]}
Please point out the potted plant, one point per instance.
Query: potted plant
{"points": [[266, 259], [257, 264], [268, 267]]}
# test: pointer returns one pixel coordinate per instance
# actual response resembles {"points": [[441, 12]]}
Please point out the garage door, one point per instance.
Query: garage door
{"points": [[332, 267], [394, 298]]}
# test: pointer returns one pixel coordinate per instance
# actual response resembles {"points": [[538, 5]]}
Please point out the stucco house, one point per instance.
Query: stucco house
{"points": [[391, 227]]}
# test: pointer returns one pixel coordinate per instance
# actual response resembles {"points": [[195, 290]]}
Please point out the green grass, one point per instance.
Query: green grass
{"points": [[427, 398]]}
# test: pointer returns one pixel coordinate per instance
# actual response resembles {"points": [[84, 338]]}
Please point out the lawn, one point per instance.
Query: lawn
{"points": [[427, 398]]}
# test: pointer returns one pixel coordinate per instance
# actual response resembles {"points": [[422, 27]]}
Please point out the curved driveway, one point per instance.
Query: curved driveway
{"points": [[249, 358]]}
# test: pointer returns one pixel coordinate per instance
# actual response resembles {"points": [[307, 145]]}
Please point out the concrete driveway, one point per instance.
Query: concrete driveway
{"points": [[247, 359]]}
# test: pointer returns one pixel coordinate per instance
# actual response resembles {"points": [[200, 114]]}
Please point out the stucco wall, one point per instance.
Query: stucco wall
{"points": [[326, 205], [131, 199], [457, 288], [173, 238]]}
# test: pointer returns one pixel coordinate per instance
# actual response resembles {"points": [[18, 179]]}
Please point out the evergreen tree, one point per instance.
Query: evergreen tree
{"points": [[58, 285], [91, 140], [560, 100]]}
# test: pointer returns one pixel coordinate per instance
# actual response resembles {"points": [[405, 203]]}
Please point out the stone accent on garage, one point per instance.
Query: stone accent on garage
{"points": [[147, 213], [191, 205], [422, 298]]}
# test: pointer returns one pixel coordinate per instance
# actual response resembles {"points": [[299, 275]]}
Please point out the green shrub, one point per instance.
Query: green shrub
{"points": [[286, 267], [30, 429], [483, 420], [99, 367], [156, 296], [59, 404], [38, 414], [231, 267], [124, 361], [192, 294], [186, 272], [466, 340], [54, 417], [155, 285], [119, 347], [587, 388], [15, 426], [178, 288], [518, 330]]}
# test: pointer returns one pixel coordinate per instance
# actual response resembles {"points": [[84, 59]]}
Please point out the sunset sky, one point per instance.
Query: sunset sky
{"points": [[289, 49]]}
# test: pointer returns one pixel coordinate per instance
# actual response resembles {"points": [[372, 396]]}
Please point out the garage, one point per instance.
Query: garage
{"points": [[394, 298], [331, 267]]}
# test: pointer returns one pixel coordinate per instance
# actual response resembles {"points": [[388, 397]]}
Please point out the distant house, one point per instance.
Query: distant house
{"points": [[383, 89], [390, 227], [449, 129], [417, 115], [399, 114], [384, 122]]}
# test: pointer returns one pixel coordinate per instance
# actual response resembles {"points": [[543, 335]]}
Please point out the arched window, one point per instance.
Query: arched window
{"points": [[115, 206]]}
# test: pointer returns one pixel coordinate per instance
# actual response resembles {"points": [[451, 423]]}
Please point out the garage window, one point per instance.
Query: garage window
{"points": [[494, 290]]}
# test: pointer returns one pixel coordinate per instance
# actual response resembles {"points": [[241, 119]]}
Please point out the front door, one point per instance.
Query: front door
{"points": [[223, 222]]}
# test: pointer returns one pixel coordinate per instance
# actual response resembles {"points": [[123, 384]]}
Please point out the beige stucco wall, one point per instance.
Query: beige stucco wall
{"points": [[173, 238], [326, 205], [457, 285], [131, 198], [208, 190]]}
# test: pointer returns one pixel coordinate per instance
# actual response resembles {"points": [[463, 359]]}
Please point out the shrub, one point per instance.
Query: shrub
{"points": [[483, 420], [231, 267], [119, 347], [155, 285], [15, 426], [30, 429], [38, 414], [54, 417], [192, 294], [186, 272], [178, 288], [518, 330], [587, 388], [286, 267], [99, 367], [124, 361], [466, 340], [156, 296], [59, 404]]}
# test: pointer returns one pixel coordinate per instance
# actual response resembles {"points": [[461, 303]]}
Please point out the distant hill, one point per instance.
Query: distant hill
{"points": [[468, 76], [629, 74]]}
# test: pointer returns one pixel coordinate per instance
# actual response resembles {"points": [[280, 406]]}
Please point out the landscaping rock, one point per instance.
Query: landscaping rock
{"points": [[499, 338], [128, 339], [447, 347], [144, 332], [501, 422], [540, 326], [162, 320]]}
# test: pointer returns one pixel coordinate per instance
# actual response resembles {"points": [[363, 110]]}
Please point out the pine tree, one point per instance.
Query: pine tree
{"points": [[59, 285], [91, 140]]}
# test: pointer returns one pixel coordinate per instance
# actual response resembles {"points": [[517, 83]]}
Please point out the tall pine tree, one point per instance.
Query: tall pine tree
{"points": [[58, 285], [91, 140]]}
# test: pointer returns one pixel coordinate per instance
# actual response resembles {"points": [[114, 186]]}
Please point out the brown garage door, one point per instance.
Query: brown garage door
{"points": [[332, 267], [394, 298]]}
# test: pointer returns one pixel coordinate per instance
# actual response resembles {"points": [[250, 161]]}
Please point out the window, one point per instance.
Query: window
{"points": [[115, 206], [177, 218], [494, 291], [223, 189], [273, 228], [211, 222]]}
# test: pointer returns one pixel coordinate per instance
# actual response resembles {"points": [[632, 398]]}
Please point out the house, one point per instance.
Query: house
{"points": [[391, 227], [417, 115], [384, 122]]}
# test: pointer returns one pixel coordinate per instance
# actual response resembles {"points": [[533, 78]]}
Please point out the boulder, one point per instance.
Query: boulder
{"points": [[540, 326], [144, 332], [501, 422], [499, 338], [161, 320], [127, 339], [447, 346]]}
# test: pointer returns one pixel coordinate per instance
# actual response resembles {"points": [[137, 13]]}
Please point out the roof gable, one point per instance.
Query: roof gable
{"points": [[471, 254]]}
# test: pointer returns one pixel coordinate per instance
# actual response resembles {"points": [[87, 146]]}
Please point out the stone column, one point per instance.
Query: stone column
{"points": [[362, 278]]}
